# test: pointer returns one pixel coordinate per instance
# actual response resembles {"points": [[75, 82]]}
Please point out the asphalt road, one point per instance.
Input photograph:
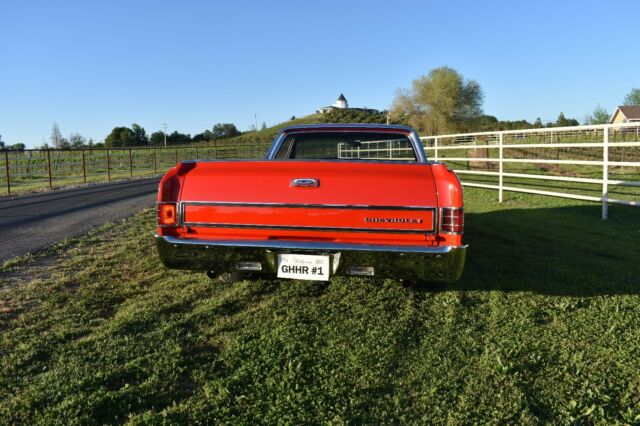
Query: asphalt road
{"points": [[32, 222]]}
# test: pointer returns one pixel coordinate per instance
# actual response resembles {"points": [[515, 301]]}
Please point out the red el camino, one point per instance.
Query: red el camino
{"points": [[338, 199]]}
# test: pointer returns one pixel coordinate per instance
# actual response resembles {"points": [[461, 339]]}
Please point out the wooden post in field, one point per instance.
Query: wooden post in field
{"points": [[130, 164], [6, 170], [108, 166], [176, 155], [155, 161], [605, 173], [84, 168], [500, 167], [49, 167]]}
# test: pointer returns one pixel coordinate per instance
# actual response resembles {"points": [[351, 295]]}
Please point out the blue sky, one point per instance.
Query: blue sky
{"points": [[93, 65]]}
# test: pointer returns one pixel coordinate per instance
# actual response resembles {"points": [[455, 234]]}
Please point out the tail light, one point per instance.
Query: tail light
{"points": [[452, 220], [167, 214]]}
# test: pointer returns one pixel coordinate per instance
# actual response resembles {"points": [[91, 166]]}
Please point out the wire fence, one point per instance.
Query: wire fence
{"points": [[593, 163], [33, 169]]}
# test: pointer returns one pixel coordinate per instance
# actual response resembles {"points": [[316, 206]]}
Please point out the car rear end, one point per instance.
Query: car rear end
{"points": [[310, 218]]}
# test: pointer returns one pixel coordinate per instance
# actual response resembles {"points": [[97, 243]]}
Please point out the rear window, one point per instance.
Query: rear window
{"points": [[347, 146]]}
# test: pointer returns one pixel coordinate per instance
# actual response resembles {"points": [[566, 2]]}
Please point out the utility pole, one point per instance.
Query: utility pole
{"points": [[165, 134]]}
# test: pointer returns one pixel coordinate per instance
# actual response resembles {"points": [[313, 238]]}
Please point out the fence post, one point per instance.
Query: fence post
{"points": [[108, 166], [500, 167], [49, 167], [84, 168], [196, 152], [435, 146], [176, 155], [130, 165], [605, 173], [155, 161], [6, 170]]}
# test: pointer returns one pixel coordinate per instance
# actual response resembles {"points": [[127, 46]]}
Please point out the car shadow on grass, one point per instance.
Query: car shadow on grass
{"points": [[557, 251]]}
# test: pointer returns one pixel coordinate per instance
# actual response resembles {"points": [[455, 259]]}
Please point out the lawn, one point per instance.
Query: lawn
{"points": [[543, 327]]}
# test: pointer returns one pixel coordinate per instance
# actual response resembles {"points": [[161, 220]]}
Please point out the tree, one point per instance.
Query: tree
{"points": [[293, 117], [264, 126], [177, 138], [120, 136], [17, 146], [562, 121], [633, 98], [76, 140], [64, 144], [157, 138], [599, 116], [56, 136], [139, 134], [441, 101], [202, 137], [538, 122], [225, 130]]}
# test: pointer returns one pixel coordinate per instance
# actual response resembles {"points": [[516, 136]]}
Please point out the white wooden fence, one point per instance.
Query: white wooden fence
{"points": [[604, 155]]}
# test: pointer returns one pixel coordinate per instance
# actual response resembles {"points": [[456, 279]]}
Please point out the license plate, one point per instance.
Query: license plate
{"points": [[303, 267]]}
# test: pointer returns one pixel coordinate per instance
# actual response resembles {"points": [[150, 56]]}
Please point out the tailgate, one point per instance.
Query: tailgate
{"points": [[256, 199]]}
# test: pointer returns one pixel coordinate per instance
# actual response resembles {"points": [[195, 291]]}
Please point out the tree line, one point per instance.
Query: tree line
{"points": [[136, 135]]}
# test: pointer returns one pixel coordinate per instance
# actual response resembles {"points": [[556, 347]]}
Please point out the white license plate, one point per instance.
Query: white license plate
{"points": [[303, 267]]}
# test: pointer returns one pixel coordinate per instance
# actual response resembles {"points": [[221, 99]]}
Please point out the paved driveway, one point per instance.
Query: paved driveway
{"points": [[35, 221]]}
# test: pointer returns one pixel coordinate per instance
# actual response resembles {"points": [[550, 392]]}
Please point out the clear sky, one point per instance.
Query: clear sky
{"points": [[93, 65]]}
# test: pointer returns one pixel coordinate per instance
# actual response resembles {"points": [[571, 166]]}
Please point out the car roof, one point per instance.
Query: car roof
{"points": [[338, 126]]}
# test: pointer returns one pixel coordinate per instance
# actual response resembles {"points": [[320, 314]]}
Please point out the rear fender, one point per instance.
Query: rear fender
{"points": [[449, 195], [170, 188]]}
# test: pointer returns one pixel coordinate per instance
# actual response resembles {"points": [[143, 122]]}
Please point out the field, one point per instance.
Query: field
{"points": [[543, 327]]}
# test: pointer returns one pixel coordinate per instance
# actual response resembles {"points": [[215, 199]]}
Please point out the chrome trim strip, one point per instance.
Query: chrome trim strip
{"points": [[308, 245], [311, 206], [309, 228]]}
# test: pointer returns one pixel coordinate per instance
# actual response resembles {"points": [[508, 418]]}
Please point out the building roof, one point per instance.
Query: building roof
{"points": [[341, 97], [631, 112]]}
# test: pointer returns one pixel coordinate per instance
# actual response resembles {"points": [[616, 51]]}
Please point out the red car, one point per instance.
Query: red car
{"points": [[337, 199]]}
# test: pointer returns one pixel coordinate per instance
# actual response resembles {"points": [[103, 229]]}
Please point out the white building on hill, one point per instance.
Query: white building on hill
{"points": [[342, 103]]}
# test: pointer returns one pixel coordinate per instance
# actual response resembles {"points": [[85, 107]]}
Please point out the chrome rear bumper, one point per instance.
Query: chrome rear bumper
{"points": [[414, 263]]}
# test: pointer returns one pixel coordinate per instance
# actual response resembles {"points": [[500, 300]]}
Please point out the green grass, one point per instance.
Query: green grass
{"points": [[543, 327]]}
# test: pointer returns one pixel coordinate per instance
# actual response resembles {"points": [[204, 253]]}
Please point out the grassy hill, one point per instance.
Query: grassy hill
{"points": [[542, 328], [337, 116], [267, 135]]}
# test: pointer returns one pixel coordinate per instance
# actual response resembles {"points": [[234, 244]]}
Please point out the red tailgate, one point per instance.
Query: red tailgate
{"points": [[352, 201]]}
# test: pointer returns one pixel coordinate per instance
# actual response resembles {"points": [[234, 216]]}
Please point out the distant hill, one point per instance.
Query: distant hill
{"points": [[267, 135], [336, 116]]}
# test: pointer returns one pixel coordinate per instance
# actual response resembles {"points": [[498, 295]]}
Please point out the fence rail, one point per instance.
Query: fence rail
{"points": [[600, 162], [45, 168]]}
